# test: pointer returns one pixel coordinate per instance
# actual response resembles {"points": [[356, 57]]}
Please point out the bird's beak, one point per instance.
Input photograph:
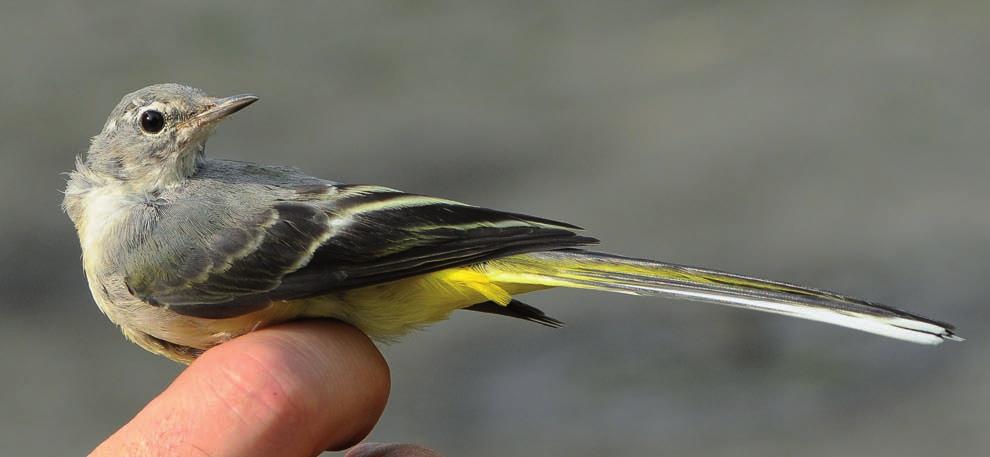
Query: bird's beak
{"points": [[222, 108]]}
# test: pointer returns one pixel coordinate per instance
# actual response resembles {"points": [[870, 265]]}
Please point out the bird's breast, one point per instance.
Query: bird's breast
{"points": [[103, 223]]}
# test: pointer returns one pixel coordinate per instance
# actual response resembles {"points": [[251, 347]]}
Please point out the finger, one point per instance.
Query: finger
{"points": [[289, 390], [390, 450]]}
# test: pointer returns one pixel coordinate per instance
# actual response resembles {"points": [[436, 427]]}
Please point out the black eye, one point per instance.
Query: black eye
{"points": [[152, 121]]}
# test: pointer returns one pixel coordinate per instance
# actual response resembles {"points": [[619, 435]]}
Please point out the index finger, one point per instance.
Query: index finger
{"points": [[292, 390]]}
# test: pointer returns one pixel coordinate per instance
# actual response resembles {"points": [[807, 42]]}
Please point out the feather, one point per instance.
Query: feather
{"points": [[606, 272]]}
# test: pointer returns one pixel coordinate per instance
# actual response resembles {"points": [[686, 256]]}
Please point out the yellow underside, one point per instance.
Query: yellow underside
{"points": [[389, 310]]}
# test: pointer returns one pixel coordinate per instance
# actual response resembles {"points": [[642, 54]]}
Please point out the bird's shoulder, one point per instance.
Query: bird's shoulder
{"points": [[237, 190], [239, 177], [227, 193]]}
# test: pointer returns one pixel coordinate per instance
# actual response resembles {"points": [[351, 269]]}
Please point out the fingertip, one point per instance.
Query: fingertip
{"points": [[332, 375], [293, 389]]}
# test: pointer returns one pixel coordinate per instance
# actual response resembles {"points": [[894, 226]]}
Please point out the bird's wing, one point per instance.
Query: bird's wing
{"points": [[319, 239]]}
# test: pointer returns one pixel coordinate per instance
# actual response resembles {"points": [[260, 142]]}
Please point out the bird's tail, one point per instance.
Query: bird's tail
{"points": [[606, 272]]}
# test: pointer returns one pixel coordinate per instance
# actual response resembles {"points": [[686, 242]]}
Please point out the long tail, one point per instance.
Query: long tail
{"points": [[606, 272]]}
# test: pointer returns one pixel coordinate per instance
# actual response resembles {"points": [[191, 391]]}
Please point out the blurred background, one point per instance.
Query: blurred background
{"points": [[836, 144]]}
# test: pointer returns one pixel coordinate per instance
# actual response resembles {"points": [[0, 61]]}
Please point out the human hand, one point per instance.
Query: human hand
{"points": [[291, 390]]}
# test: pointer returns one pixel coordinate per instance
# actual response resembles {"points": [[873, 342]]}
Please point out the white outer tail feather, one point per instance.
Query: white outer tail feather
{"points": [[895, 327]]}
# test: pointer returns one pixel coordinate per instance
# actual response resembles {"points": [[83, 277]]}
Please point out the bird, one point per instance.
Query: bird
{"points": [[184, 252]]}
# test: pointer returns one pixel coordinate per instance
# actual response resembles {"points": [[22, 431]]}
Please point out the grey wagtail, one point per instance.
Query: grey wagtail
{"points": [[184, 252]]}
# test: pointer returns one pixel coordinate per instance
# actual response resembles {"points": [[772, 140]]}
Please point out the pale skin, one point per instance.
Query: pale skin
{"points": [[290, 390]]}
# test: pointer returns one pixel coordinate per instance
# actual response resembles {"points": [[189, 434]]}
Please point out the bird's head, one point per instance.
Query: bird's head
{"points": [[156, 136]]}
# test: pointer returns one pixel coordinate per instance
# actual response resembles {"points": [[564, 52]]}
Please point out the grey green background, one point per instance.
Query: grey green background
{"points": [[837, 144]]}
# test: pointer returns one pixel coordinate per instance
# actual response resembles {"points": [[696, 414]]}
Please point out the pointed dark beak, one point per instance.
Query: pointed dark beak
{"points": [[224, 107]]}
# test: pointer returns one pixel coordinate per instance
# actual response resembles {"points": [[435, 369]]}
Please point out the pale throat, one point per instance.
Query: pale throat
{"points": [[177, 168]]}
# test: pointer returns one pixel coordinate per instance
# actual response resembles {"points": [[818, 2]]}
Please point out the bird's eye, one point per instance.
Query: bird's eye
{"points": [[152, 121]]}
